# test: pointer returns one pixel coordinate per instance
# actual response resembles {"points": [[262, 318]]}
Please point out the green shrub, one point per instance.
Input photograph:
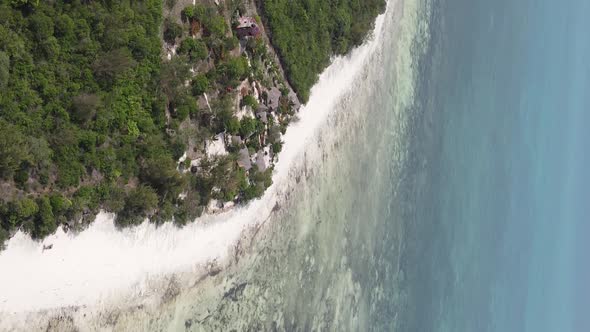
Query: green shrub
{"points": [[234, 69], [139, 204], [232, 125], [172, 30], [195, 49], [200, 84], [249, 100], [277, 147], [45, 221], [216, 25], [230, 43], [247, 126], [308, 32], [13, 149]]}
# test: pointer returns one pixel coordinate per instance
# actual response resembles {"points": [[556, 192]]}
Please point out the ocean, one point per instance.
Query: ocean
{"points": [[436, 181]]}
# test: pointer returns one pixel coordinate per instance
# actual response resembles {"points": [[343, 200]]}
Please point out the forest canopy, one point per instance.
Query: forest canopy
{"points": [[79, 108], [308, 32], [94, 115]]}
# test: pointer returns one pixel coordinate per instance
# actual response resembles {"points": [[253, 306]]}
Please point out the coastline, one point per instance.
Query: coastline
{"points": [[150, 252]]}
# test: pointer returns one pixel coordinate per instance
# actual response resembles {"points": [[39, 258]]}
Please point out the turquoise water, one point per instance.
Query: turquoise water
{"points": [[506, 84]]}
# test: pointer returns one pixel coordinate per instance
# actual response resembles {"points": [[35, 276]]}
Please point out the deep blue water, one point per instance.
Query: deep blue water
{"points": [[500, 232]]}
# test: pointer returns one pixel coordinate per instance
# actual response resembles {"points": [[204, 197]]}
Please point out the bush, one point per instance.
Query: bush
{"points": [[200, 84], [232, 125], [247, 127], [112, 64], [13, 149], [20, 211], [259, 181], [186, 212], [45, 221], [59, 204], [3, 237], [195, 49], [249, 100], [186, 106], [85, 106], [172, 30], [139, 204], [160, 173], [216, 25], [113, 197], [277, 147], [330, 28], [230, 43], [235, 68], [196, 12], [188, 13]]}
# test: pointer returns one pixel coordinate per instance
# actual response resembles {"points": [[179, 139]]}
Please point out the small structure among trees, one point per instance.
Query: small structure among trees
{"points": [[247, 27]]}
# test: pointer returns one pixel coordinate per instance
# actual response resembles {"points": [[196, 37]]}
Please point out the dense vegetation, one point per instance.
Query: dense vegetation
{"points": [[79, 110], [91, 116], [308, 32], [94, 116]]}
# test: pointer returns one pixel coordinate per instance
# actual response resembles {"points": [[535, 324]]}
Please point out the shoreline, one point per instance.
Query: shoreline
{"points": [[230, 227]]}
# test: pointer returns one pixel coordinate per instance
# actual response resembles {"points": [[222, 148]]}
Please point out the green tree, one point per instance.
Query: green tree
{"points": [[45, 221], [235, 68], [114, 197], [112, 63], [173, 75], [59, 204], [21, 176], [195, 49], [26, 208], [42, 26], [139, 204], [18, 3], [172, 30], [216, 25], [277, 147], [13, 149], [40, 153], [4, 69], [331, 27], [65, 28], [188, 13], [160, 172], [21, 210], [184, 107], [200, 84], [50, 47], [3, 237], [249, 100], [233, 125], [84, 107], [230, 43], [247, 126]]}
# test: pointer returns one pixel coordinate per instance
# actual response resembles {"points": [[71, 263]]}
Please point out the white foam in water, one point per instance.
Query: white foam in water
{"points": [[102, 262]]}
